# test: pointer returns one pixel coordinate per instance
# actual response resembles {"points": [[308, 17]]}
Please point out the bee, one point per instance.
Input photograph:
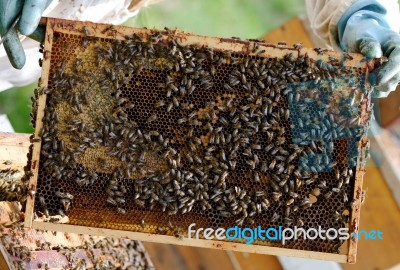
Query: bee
{"points": [[322, 184], [197, 159], [272, 164], [169, 92], [152, 118], [287, 211], [347, 181], [255, 48], [232, 164], [276, 196], [291, 157], [251, 163], [42, 201], [345, 197], [175, 102], [223, 176], [86, 31], [280, 168], [228, 87], [337, 174], [256, 146], [170, 106], [61, 212], [120, 200], [66, 204], [160, 103], [280, 158], [298, 46], [354, 120], [85, 42], [189, 157], [181, 121], [320, 50], [297, 97], [270, 136], [328, 194], [121, 210], [260, 52], [110, 200], [290, 201], [275, 217], [212, 70], [161, 230], [191, 89], [243, 78], [182, 91], [300, 222], [46, 212], [340, 184], [65, 195], [363, 196]]}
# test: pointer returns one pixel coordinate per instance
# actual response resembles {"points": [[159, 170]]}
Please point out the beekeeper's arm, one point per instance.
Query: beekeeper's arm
{"points": [[31, 11], [114, 12], [370, 27]]}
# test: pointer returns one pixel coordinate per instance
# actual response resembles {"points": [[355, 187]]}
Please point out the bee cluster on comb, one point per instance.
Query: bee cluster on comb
{"points": [[155, 130]]}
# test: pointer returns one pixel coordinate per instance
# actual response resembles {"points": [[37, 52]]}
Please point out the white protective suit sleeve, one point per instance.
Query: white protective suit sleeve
{"points": [[324, 15], [105, 11]]}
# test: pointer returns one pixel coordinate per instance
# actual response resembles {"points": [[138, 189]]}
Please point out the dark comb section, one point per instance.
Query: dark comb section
{"points": [[146, 134]]}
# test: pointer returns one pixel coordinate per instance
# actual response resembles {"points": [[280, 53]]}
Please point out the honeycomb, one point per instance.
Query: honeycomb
{"points": [[151, 133], [37, 249]]}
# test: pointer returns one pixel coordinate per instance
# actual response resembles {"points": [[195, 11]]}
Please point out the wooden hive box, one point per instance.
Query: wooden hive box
{"points": [[140, 133]]}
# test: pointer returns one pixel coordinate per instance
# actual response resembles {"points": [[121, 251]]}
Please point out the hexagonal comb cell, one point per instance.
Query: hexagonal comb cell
{"points": [[150, 131]]}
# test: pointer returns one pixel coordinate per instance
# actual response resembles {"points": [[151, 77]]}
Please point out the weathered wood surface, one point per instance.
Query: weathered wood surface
{"points": [[13, 157]]}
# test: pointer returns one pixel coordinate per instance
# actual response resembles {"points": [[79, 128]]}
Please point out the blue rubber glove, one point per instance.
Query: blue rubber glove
{"points": [[365, 27], [31, 13]]}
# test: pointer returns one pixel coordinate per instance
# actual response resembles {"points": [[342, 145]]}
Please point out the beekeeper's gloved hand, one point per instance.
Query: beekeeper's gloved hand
{"points": [[369, 27], [31, 13]]}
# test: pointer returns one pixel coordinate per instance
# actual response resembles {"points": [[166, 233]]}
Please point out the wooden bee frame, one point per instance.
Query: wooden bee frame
{"points": [[103, 32]]}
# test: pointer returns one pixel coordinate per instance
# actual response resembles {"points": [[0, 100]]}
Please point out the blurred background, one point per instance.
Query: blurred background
{"points": [[225, 18], [247, 19]]}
